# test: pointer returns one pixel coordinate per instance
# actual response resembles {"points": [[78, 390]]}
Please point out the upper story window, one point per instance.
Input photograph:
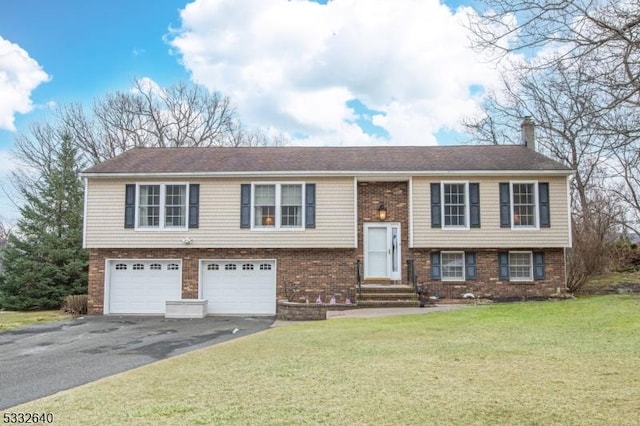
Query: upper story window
{"points": [[454, 205], [524, 204], [162, 206], [277, 206]]}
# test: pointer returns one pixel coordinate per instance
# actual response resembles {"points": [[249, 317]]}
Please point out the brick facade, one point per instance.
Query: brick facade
{"points": [[315, 272], [325, 272], [487, 285], [395, 197]]}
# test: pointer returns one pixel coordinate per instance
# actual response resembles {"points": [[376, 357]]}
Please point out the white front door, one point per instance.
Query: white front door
{"points": [[382, 251]]}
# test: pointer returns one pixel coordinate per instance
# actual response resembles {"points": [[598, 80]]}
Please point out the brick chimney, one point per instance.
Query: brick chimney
{"points": [[528, 133]]}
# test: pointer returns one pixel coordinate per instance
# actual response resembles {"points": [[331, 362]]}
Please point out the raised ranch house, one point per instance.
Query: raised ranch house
{"points": [[244, 227]]}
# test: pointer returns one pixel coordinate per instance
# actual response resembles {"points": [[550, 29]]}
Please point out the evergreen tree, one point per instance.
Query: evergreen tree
{"points": [[44, 260]]}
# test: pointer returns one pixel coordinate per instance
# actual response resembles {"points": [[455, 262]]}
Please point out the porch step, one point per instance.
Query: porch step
{"points": [[387, 296], [388, 304]]}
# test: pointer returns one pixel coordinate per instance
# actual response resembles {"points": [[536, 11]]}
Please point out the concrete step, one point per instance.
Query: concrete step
{"points": [[382, 288], [388, 303], [389, 296]]}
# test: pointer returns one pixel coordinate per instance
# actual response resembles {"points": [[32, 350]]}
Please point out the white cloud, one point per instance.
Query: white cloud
{"points": [[19, 76], [293, 65]]}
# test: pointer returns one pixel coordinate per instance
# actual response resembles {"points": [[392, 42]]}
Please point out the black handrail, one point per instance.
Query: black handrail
{"points": [[412, 277], [359, 277]]}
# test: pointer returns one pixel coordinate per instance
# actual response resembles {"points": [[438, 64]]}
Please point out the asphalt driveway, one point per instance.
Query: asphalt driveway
{"points": [[43, 359]]}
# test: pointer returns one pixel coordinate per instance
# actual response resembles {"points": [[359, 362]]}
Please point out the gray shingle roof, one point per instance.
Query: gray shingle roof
{"points": [[328, 159]]}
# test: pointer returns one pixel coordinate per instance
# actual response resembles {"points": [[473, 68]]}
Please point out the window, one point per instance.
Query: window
{"points": [[149, 206], [138, 267], [524, 205], [162, 206], [454, 205], [278, 206], [265, 206], [247, 267], [173, 267], [265, 267], [230, 267], [213, 267], [121, 267], [452, 266], [520, 266], [175, 205], [155, 267]]}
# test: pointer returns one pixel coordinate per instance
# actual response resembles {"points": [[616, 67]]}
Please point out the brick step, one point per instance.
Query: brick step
{"points": [[389, 296], [380, 288], [388, 304]]}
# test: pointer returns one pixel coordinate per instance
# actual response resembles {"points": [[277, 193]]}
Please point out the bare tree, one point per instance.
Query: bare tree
{"points": [[602, 34], [180, 115]]}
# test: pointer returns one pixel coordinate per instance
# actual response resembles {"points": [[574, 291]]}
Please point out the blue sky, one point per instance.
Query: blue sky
{"points": [[343, 73]]}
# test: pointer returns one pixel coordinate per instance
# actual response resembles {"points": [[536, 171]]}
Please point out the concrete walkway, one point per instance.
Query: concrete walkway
{"points": [[379, 312], [387, 312]]}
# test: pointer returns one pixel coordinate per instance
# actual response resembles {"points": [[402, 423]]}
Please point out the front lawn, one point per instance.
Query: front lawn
{"points": [[564, 363], [13, 319]]}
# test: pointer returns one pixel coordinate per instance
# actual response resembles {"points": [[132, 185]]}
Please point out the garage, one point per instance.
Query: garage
{"points": [[239, 286], [142, 286]]}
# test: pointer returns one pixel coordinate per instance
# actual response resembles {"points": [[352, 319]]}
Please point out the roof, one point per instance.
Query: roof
{"points": [[329, 160]]}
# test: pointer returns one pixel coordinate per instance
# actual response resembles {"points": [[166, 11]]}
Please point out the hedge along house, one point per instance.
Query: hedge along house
{"points": [[241, 227]]}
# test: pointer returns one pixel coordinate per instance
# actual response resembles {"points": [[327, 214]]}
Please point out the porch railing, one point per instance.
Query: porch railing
{"points": [[412, 278], [359, 277]]}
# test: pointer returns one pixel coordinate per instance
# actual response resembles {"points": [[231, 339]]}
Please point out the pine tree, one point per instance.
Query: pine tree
{"points": [[44, 260]]}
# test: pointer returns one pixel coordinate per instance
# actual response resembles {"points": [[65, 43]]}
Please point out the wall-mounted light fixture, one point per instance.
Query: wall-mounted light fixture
{"points": [[382, 211]]}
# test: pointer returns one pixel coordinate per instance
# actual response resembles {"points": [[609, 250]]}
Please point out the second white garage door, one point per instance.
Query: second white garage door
{"points": [[239, 287]]}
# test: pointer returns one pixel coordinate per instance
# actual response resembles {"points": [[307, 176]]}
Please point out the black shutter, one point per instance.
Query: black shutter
{"points": [[129, 205], [435, 205], [194, 205], [245, 205], [310, 205], [474, 205], [505, 205], [470, 265], [538, 265], [435, 265], [543, 194], [503, 266]]}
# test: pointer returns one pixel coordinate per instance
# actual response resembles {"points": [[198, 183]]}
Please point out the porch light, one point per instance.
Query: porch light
{"points": [[382, 211]]}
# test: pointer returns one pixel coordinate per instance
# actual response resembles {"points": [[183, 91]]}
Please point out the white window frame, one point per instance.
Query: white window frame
{"points": [[536, 205], [466, 204], [162, 223], [278, 208], [464, 277], [522, 279]]}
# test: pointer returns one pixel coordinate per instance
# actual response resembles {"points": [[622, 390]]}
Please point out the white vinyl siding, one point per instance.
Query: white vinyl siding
{"points": [[490, 235], [219, 225]]}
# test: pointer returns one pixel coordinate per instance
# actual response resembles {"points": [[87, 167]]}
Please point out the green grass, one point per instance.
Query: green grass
{"points": [[605, 283], [566, 363], [13, 319]]}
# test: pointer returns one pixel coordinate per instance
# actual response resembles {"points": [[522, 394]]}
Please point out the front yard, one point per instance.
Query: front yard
{"points": [[572, 362], [13, 319]]}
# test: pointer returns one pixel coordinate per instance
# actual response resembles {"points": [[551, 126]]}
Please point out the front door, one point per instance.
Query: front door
{"points": [[382, 251]]}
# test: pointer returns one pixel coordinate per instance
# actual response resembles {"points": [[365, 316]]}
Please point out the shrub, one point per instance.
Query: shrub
{"points": [[75, 305]]}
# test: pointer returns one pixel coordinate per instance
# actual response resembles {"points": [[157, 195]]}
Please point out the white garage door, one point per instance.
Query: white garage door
{"points": [[239, 287], [143, 286]]}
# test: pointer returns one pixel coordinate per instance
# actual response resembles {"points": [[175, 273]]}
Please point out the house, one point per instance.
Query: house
{"points": [[240, 227]]}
